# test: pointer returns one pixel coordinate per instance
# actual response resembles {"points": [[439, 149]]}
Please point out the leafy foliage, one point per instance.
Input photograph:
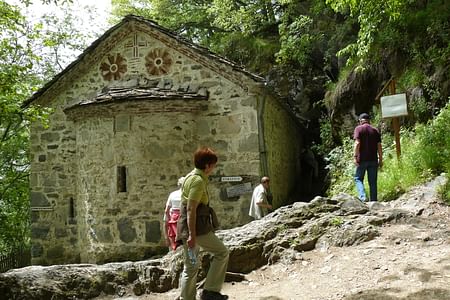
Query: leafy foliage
{"points": [[296, 40], [326, 136], [434, 140], [16, 61], [444, 191], [30, 53], [371, 15], [257, 34], [243, 31], [340, 168], [420, 29], [425, 153]]}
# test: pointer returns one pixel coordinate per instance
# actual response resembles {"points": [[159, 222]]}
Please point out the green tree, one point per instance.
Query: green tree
{"points": [[243, 31], [16, 81], [30, 54], [258, 34], [420, 29], [371, 16]]}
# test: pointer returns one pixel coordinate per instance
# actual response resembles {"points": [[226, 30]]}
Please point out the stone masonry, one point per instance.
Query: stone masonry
{"points": [[127, 116]]}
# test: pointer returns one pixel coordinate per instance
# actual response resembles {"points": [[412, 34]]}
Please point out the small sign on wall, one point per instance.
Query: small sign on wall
{"points": [[239, 189], [231, 179], [42, 208], [394, 106]]}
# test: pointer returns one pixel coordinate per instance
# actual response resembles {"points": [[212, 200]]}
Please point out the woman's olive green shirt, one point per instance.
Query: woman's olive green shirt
{"points": [[195, 187]]}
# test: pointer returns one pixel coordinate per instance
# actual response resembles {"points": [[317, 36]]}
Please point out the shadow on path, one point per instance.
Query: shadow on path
{"points": [[428, 294]]}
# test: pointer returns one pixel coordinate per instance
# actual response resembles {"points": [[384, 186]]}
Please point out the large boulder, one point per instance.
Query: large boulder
{"points": [[324, 222]]}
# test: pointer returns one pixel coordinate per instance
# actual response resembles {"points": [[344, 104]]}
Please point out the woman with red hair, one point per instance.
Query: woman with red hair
{"points": [[196, 230]]}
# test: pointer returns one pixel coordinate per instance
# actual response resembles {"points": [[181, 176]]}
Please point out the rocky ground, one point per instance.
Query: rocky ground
{"points": [[410, 259], [327, 249]]}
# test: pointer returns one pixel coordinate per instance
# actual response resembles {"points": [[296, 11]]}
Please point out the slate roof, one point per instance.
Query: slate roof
{"points": [[136, 94], [199, 49]]}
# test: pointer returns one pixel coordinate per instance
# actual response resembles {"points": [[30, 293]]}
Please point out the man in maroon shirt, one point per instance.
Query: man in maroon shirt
{"points": [[367, 146]]}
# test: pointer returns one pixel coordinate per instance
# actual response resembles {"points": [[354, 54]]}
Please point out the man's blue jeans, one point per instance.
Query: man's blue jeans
{"points": [[372, 168]]}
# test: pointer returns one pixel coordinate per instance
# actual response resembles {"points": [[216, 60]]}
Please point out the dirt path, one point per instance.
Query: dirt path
{"points": [[409, 260]]}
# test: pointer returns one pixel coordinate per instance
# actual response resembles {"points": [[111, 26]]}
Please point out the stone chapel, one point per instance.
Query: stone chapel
{"points": [[126, 117]]}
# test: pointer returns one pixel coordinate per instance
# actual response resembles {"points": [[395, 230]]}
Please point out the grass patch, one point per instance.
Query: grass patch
{"points": [[425, 153], [444, 191]]}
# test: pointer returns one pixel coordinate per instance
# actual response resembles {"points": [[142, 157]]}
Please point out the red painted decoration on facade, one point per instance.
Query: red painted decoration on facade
{"points": [[158, 62], [114, 67]]}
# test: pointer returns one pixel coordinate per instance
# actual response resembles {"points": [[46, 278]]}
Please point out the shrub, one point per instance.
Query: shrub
{"points": [[340, 168], [444, 191], [425, 153], [433, 151]]}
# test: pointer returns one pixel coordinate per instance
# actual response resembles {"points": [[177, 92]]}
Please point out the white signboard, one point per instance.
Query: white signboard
{"points": [[231, 179], [394, 106], [240, 189]]}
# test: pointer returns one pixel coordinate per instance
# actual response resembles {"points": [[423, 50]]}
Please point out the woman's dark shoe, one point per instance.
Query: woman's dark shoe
{"points": [[210, 295]]}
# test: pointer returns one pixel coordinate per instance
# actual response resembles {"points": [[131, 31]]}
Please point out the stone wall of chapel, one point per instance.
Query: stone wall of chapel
{"points": [[78, 213], [283, 144], [53, 192], [156, 150]]}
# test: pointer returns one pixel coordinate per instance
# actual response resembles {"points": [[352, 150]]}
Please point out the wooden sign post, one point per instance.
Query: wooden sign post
{"points": [[393, 106], [396, 124]]}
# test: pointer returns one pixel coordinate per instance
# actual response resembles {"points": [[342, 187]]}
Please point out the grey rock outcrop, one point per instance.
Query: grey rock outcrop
{"points": [[283, 234]]}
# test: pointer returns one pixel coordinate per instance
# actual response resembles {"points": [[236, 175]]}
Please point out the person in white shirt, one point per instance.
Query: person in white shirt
{"points": [[172, 214], [260, 205]]}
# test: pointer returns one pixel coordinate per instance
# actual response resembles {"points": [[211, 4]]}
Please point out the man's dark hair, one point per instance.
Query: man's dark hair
{"points": [[364, 116], [204, 156]]}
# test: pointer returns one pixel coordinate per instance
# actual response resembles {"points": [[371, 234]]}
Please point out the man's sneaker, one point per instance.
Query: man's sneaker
{"points": [[210, 295]]}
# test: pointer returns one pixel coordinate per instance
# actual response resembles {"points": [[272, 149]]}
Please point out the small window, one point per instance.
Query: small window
{"points": [[71, 208], [121, 179], [121, 123], [71, 219]]}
